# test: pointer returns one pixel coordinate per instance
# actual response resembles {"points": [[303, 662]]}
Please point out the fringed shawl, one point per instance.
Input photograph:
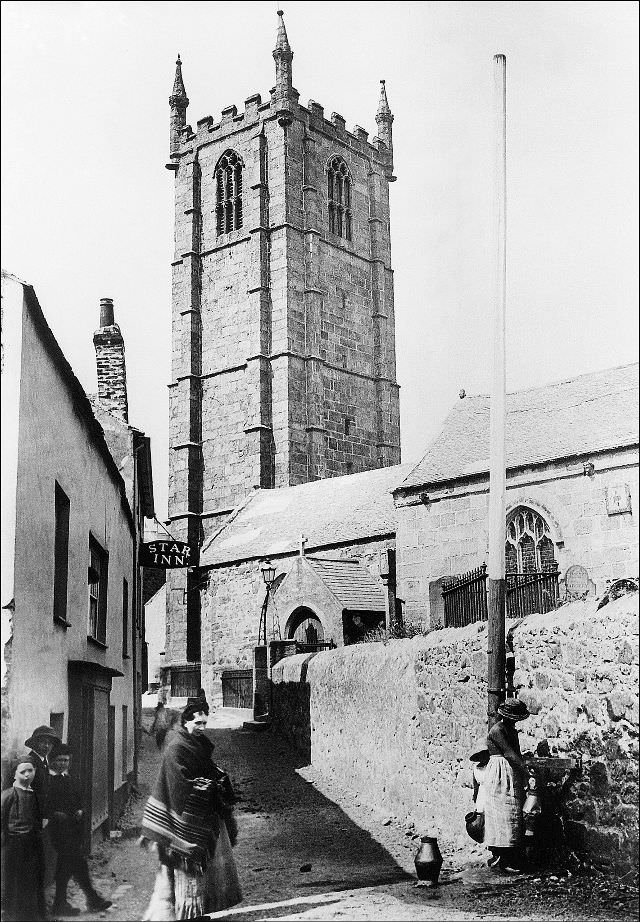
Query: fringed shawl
{"points": [[182, 818]]}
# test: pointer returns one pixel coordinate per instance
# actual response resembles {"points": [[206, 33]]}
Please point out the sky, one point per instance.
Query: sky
{"points": [[87, 205]]}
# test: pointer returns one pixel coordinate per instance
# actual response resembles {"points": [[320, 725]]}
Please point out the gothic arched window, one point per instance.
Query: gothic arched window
{"points": [[228, 193], [529, 545], [339, 194]]}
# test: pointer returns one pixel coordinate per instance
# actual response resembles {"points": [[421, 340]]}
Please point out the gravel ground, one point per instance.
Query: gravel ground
{"points": [[309, 851]]}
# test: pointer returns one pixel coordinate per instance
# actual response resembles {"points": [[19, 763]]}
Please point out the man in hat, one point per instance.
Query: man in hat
{"points": [[65, 817], [40, 743]]}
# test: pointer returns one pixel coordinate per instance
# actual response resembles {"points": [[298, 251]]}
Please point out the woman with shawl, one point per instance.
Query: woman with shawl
{"points": [[189, 819], [504, 785]]}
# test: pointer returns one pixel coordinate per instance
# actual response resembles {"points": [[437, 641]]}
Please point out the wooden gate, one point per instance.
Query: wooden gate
{"points": [[237, 688], [185, 681]]}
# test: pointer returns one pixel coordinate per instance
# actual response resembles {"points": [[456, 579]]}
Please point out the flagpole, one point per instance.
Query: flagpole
{"points": [[497, 470]]}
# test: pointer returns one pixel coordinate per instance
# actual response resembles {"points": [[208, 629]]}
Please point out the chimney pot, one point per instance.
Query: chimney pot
{"points": [[106, 312]]}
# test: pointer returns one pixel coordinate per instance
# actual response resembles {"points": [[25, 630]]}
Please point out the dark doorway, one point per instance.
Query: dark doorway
{"points": [[111, 749], [305, 627]]}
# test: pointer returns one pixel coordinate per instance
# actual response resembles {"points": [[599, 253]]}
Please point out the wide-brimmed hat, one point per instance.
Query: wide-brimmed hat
{"points": [[480, 753], [513, 709], [40, 733]]}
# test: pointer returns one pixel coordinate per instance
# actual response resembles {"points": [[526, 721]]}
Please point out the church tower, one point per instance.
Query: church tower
{"points": [[283, 338]]}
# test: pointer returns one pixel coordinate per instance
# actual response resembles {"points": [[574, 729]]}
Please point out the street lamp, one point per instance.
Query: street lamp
{"points": [[268, 575]]}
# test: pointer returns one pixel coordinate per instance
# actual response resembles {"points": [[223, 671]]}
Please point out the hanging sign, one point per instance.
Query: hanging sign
{"points": [[166, 554]]}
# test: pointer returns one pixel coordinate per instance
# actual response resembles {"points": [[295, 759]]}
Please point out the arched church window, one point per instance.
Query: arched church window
{"points": [[339, 196], [529, 546], [228, 178]]}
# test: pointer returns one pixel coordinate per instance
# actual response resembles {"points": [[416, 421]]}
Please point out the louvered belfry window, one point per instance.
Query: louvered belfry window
{"points": [[339, 194], [228, 193]]}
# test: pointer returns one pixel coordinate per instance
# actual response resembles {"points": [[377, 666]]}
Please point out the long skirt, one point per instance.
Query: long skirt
{"points": [[504, 796], [23, 878], [179, 895]]}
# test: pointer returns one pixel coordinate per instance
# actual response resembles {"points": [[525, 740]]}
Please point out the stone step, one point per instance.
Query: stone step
{"points": [[257, 725]]}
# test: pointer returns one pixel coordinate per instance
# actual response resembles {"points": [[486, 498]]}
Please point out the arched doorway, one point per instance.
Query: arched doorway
{"points": [[305, 627]]}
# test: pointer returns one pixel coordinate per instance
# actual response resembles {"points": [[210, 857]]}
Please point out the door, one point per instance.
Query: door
{"points": [[89, 691], [100, 777], [237, 688]]}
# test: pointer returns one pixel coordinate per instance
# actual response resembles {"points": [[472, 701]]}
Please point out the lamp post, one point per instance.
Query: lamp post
{"points": [[268, 575], [260, 663]]}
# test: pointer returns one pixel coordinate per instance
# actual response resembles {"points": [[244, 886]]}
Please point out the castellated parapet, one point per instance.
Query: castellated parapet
{"points": [[283, 330]]}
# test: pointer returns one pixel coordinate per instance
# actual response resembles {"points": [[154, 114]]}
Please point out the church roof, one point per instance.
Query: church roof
{"points": [[353, 586], [327, 512], [583, 415]]}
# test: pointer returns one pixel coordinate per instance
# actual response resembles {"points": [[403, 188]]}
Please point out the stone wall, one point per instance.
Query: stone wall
{"points": [[449, 535], [398, 720]]}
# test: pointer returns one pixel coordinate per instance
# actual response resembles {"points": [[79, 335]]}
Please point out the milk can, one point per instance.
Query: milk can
{"points": [[428, 860]]}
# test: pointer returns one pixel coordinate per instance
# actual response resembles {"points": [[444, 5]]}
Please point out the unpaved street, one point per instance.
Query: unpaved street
{"points": [[307, 851]]}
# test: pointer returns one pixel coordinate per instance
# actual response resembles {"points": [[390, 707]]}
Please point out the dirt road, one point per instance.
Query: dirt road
{"points": [[308, 851]]}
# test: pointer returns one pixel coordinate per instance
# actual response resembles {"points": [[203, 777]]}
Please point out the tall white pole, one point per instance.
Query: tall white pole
{"points": [[497, 470]]}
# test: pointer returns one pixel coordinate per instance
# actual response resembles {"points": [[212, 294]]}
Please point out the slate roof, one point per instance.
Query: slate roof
{"points": [[327, 512], [353, 586], [591, 413]]}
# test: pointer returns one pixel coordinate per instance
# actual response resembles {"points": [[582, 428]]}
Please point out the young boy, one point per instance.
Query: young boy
{"points": [[65, 816], [22, 853]]}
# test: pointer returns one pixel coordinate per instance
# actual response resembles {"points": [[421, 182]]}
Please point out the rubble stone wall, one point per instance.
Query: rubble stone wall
{"points": [[398, 720]]}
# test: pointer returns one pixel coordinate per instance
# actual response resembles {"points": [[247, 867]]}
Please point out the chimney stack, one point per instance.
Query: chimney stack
{"points": [[112, 372]]}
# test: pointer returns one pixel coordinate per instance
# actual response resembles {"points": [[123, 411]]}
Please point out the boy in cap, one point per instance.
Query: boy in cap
{"points": [[65, 817]]}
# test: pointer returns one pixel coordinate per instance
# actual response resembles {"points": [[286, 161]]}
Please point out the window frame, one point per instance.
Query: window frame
{"points": [[229, 186], [124, 742], [340, 198], [125, 619], [62, 516], [533, 527], [97, 624]]}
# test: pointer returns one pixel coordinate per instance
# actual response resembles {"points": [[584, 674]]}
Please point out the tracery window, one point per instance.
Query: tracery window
{"points": [[529, 546], [228, 177], [339, 195]]}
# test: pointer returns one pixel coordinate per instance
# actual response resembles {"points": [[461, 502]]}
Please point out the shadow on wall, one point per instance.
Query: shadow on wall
{"points": [[291, 711]]}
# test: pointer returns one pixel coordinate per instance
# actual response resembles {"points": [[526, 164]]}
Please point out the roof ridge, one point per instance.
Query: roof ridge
{"points": [[558, 381], [570, 406]]}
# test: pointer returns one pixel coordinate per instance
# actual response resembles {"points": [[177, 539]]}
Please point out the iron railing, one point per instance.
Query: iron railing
{"points": [[465, 596], [532, 592], [314, 647]]}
